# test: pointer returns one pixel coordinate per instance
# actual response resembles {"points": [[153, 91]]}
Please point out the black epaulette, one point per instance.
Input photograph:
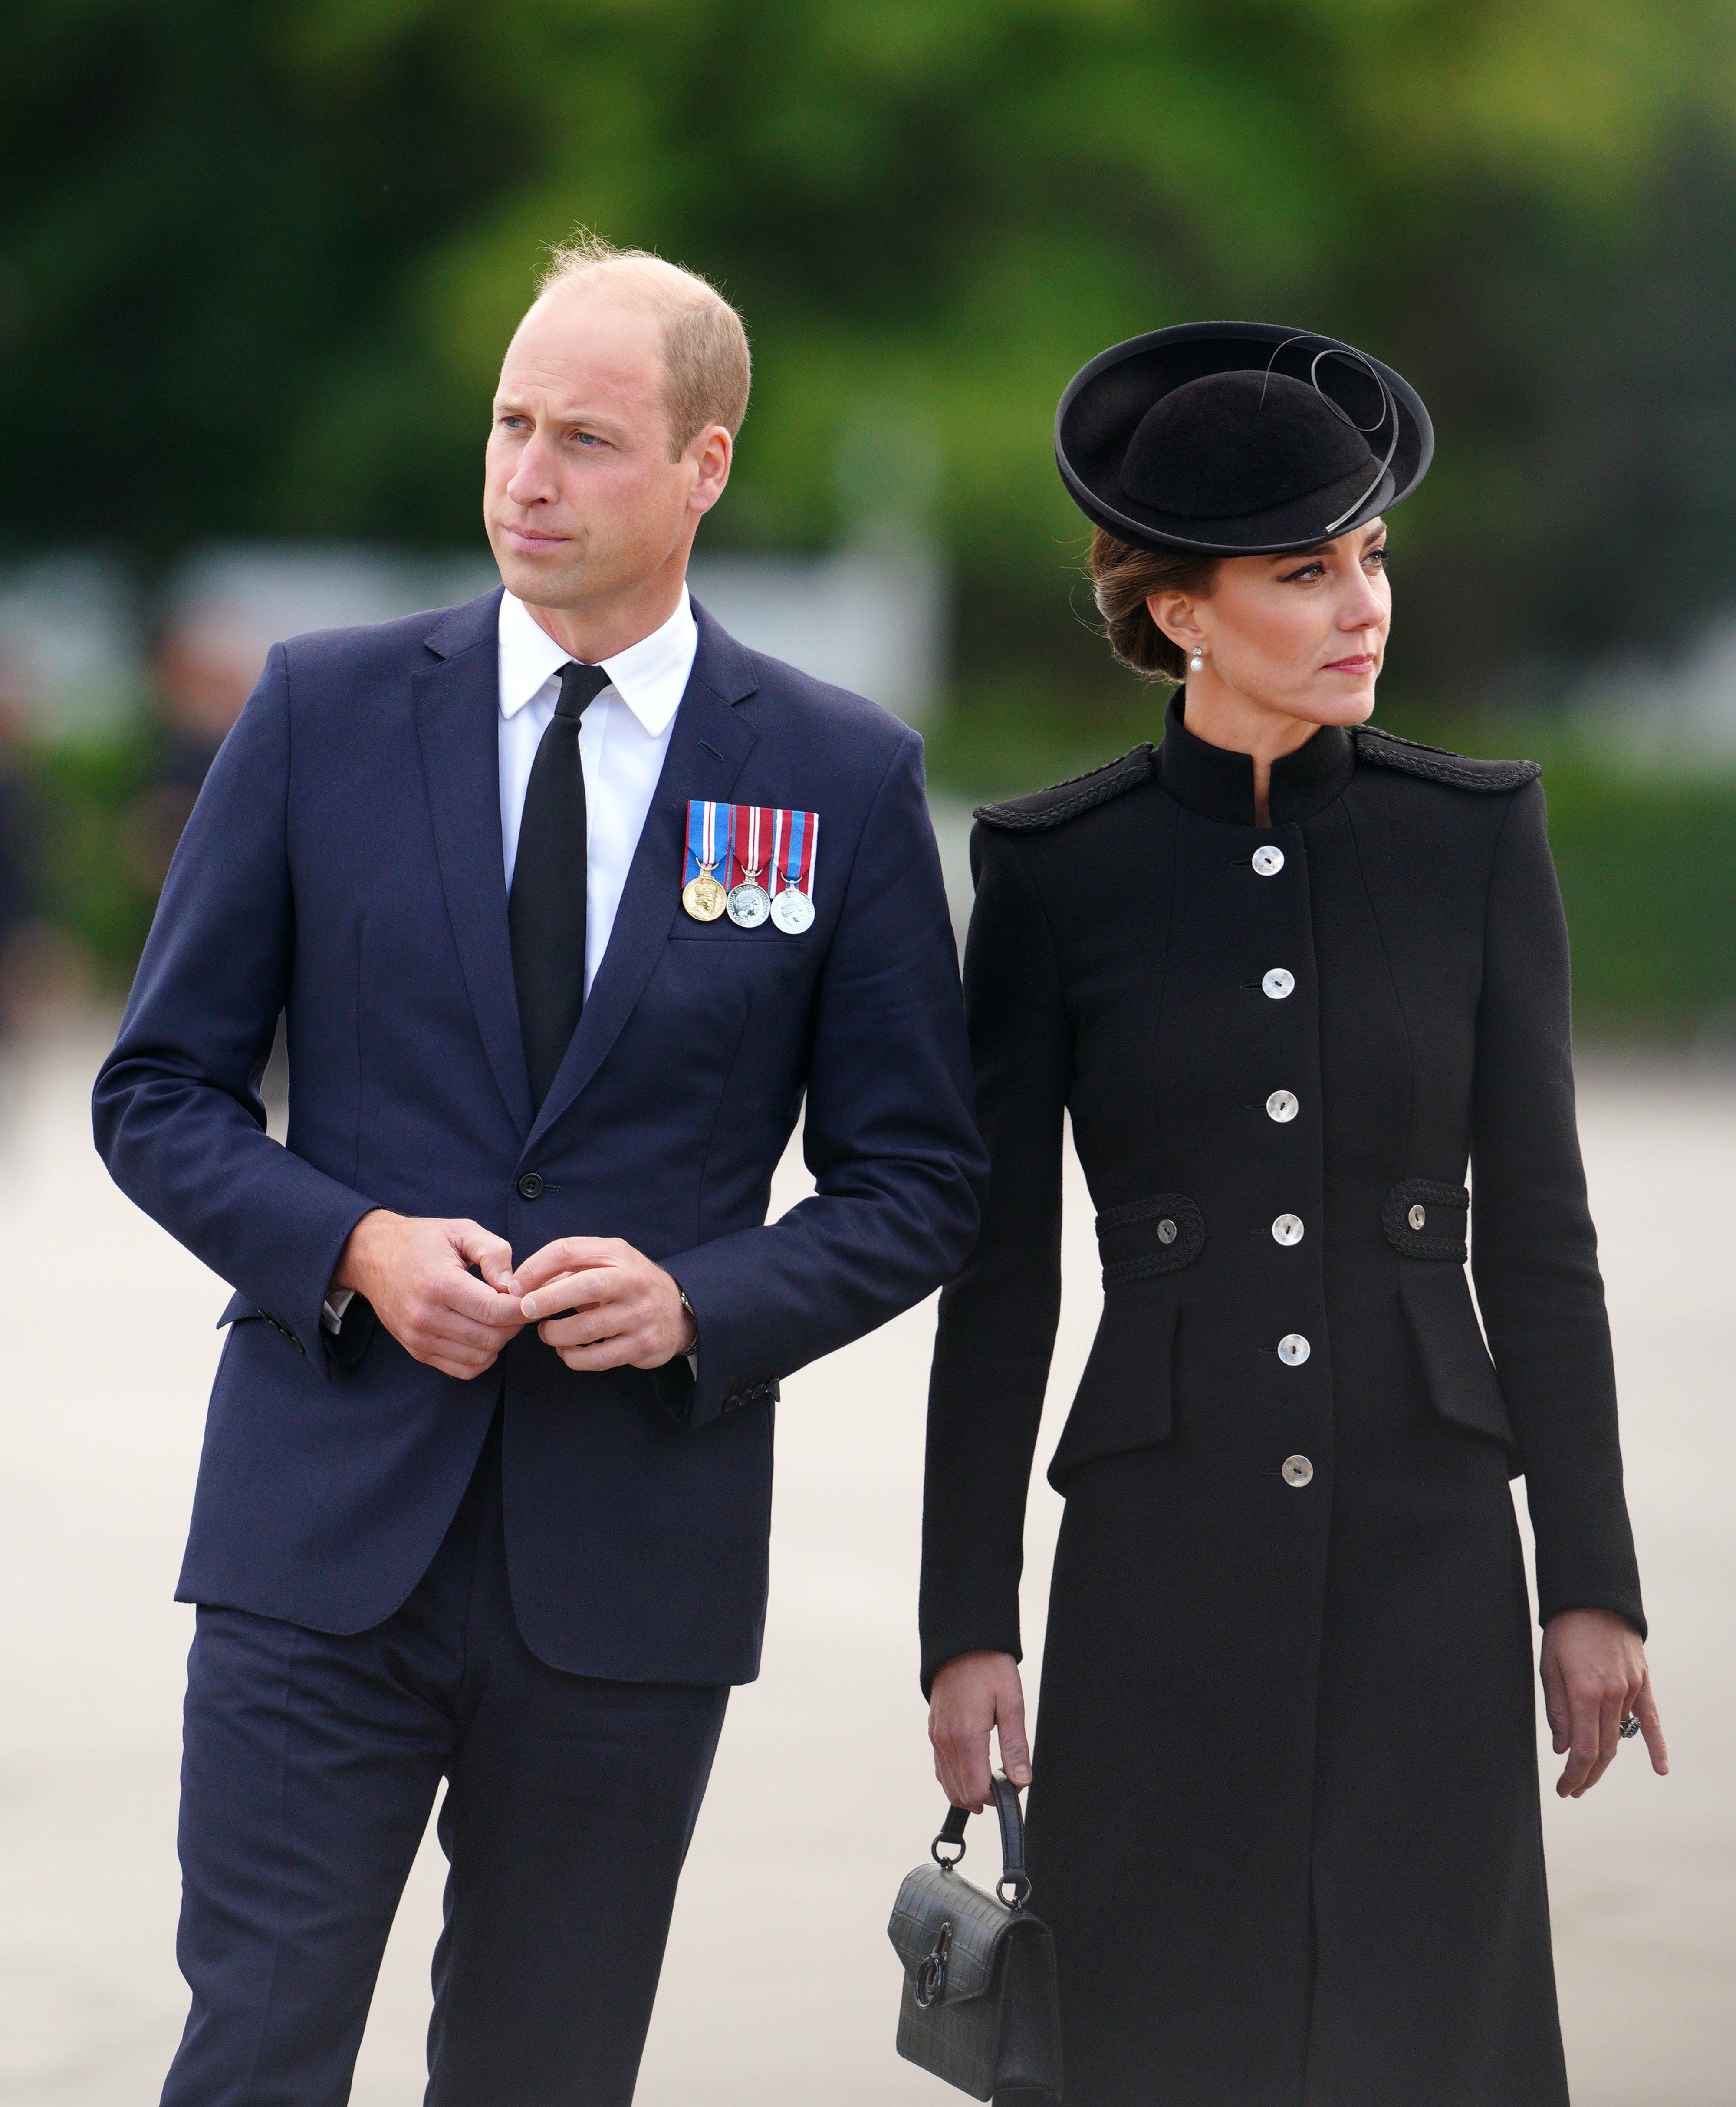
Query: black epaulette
{"points": [[1066, 800], [1386, 749]]}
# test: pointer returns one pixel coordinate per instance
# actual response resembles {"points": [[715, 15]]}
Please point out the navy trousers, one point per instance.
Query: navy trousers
{"points": [[311, 1764]]}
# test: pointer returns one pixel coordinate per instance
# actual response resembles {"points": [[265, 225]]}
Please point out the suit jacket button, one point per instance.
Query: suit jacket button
{"points": [[530, 1186], [1294, 1349], [1297, 1470], [1268, 861]]}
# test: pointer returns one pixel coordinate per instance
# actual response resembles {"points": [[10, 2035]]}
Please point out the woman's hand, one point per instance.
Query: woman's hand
{"points": [[971, 1695], [1595, 1676]]}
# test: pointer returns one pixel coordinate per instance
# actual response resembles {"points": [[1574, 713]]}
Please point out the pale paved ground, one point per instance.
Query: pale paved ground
{"points": [[780, 1986]]}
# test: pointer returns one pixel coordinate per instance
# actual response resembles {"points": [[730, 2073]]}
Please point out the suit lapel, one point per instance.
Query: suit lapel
{"points": [[457, 706], [708, 747]]}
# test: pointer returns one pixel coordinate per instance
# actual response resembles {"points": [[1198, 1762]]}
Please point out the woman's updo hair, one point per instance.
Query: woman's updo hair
{"points": [[1123, 577]]}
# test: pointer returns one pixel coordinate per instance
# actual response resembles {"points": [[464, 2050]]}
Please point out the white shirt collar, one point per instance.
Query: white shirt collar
{"points": [[649, 676]]}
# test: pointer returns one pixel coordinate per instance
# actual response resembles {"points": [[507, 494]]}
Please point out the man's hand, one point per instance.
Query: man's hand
{"points": [[416, 1274], [1595, 1676], [626, 1312], [971, 1695]]}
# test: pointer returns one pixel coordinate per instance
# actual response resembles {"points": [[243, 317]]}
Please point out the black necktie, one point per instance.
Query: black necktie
{"points": [[545, 913]]}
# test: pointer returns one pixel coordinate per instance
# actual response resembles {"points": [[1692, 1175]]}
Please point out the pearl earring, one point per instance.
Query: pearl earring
{"points": [[1196, 664]]}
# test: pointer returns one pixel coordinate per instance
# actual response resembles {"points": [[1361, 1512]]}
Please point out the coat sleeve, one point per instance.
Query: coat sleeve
{"points": [[177, 1111], [998, 1318], [889, 1132], [1533, 1247]]}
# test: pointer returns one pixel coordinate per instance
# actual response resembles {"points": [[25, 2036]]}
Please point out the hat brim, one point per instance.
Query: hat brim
{"points": [[1106, 399]]}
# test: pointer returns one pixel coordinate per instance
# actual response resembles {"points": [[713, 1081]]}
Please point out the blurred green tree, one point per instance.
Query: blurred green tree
{"points": [[261, 257]]}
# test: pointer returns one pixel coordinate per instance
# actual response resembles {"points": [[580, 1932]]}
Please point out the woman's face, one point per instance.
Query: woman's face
{"points": [[1302, 634]]}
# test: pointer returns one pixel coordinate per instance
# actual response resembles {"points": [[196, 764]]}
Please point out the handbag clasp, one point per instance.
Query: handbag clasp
{"points": [[930, 1978]]}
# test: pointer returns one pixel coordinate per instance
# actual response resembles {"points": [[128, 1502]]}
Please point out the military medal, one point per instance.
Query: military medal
{"points": [[701, 895], [794, 839], [749, 902], [727, 869]]}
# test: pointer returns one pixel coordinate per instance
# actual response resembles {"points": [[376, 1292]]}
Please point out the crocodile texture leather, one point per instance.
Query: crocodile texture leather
{"points": [[979, 2007]]}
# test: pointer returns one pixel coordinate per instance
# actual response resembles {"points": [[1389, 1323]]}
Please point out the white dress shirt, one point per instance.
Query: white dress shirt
{"points": [[623, 737]]}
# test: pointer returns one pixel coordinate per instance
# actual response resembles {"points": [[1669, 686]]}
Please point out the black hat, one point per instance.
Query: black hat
{"points": [[1238, 438]]}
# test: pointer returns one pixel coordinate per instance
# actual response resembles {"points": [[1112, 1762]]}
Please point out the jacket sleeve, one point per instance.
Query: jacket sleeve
{"points": [[998, 1318], [1533, 1247], [177, 1111], [889, 1131]]}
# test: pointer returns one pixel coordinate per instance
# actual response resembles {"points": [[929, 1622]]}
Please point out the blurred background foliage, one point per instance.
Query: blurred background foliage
{"points": [[258, 259]]}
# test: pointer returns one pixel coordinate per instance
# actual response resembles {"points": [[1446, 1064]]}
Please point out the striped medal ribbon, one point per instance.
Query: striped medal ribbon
{"points": [[749, 901], [795, 838], [701, 895]]}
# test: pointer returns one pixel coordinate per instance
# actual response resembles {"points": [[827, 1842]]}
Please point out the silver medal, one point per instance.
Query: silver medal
{"points": [[792, 911], [749, 904]]}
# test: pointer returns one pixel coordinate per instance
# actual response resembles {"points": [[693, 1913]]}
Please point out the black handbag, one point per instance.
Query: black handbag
{"points": [[980, 2007]]}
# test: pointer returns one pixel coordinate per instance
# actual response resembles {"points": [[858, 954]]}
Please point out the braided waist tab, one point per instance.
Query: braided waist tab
{"points": [[1424, 1218], [1146, 1238]]}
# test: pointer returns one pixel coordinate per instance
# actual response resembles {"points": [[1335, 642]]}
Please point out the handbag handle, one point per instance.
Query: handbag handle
{"points": [[1013, 1874]]}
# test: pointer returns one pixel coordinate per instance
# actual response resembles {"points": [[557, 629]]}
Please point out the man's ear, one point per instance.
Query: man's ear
{"points": [[711, 452]]}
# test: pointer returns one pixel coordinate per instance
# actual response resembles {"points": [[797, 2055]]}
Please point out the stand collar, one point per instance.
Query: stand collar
{"points": [[1219, 784]]}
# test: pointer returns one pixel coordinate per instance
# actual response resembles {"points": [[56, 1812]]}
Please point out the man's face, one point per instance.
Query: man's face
{"points": [[581, 499]]}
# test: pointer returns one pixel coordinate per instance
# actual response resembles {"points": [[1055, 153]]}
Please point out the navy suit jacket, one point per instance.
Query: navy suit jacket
{"points": [[343, 867]]}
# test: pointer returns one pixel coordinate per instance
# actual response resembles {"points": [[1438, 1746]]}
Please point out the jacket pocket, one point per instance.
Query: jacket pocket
{"points": [[1125, 1399], [1461, 1381]]}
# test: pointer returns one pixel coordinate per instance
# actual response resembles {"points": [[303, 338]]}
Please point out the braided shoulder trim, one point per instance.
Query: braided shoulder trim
{"points": [[1386, 749], [1066, 801]]}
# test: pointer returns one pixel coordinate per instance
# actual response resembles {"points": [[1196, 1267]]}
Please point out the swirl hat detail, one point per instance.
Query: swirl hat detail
{"points": [[1238, 438]]}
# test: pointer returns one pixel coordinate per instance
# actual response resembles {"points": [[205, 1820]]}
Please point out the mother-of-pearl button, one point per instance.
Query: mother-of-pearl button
{"points": [[1418, 1217], [1279, 983], [1288, 1229], [1297, 1470], [1294, 1349], [1281, 1105], [1268, 861]]}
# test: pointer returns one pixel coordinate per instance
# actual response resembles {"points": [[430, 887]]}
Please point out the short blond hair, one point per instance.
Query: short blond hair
{"points": [[708, 368]]}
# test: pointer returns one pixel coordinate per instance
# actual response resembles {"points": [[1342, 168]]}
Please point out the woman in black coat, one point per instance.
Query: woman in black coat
{"points": [[1289, 977]]}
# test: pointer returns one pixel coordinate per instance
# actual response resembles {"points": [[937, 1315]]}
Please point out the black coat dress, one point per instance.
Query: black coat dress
{"points": [[1285, 1821]]}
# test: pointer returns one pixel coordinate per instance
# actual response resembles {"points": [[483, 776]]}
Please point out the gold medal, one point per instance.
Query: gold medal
{"points": [[703, 897]]}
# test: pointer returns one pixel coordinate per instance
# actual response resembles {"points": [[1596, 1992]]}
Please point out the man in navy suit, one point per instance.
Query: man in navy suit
{"points": [[503, 1521]]}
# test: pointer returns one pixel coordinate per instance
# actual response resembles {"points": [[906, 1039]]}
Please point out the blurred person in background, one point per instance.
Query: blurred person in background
{"points": [[202, 676], [486, 1485], [1287, 974]]}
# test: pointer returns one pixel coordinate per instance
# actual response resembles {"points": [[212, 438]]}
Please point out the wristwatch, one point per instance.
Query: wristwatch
{"points": [[691, 1315]]}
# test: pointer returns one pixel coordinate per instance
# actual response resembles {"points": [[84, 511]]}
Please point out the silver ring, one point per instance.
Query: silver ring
{"points": [[1630, 1727]]}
